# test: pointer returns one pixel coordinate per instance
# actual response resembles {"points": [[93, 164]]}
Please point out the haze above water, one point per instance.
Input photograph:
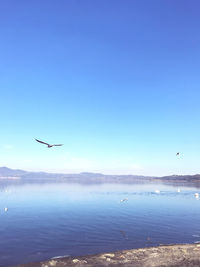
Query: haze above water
{"points": [[49, 220]]}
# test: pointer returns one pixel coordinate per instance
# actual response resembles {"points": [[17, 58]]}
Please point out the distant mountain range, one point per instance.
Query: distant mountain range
{"points": [[84, 177], [89, 178]]}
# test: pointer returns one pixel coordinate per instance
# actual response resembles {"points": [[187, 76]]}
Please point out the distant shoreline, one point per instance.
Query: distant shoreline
{"points": [[21, 176], [7, 174], [9, 178]]}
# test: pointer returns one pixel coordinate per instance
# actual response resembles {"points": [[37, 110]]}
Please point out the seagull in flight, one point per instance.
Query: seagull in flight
{"points": [[49, 145], [177, 154]]}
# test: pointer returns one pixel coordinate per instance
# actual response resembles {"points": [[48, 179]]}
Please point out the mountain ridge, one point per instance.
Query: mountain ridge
{"points": [[90, 177]]}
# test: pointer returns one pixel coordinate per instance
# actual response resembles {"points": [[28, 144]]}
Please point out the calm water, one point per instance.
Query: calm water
{"points": [[48, 220]]}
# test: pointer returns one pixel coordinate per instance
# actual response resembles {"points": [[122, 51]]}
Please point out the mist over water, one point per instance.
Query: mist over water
{"points": [[56, 219]]}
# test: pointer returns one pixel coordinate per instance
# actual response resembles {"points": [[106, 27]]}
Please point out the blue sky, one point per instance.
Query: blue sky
{"points": [[117, 82]]}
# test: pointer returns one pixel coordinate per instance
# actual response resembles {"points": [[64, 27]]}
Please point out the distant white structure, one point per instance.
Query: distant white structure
{"points": [[157, 191], [124, 199], [6, 209], [178, 190]]}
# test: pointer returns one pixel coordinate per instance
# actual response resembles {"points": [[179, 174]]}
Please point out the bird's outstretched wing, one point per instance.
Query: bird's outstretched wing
{"points": [[42, 142], [58, 145]]}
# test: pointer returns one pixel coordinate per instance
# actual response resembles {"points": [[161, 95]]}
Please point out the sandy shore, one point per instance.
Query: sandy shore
{"points": [[171, 255]]}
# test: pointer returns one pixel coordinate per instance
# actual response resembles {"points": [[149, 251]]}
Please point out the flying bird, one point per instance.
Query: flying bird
{"points": [[49, 145], [177, 154]]}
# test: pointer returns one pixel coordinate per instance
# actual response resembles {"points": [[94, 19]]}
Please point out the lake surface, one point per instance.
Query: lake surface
{"points": [[49, 220]]}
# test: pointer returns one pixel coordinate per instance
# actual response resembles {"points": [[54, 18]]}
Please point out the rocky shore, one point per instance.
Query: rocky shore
{"points": [[165, 256]]}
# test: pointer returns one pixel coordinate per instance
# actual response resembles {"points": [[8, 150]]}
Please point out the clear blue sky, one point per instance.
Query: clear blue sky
{"points": [[117, 82]]}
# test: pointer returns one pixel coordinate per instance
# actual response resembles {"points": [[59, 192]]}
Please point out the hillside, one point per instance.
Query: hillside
{"points": [[90, 178]]}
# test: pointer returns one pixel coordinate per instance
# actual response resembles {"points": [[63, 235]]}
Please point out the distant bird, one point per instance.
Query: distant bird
{"points": [[196, 195], [157, 191], [49, 145], [178, 190], [177, 154], [6, 209]]}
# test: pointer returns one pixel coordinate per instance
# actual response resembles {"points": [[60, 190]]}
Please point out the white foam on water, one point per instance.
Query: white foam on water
{"points": [[59, 257]]}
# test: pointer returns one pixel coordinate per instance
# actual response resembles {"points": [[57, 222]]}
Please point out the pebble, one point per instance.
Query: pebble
{"points": [[52, 263], [75, 261]]}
